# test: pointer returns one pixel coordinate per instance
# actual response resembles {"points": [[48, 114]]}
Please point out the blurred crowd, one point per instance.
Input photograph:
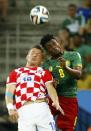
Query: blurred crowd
{"points": [[76, 34]]}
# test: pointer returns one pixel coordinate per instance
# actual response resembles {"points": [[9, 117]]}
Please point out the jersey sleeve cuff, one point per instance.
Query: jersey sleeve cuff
{"points": [[48, 82]]}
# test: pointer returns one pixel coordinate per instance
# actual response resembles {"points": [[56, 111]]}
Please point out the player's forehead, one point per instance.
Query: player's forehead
{"points": [[35, 50], [52, 42]]}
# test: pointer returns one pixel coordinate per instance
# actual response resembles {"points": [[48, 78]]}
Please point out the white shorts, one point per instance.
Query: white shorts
{"points": [[36, 114]]}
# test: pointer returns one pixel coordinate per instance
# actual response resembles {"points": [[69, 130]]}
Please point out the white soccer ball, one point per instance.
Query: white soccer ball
{"points": [[39, 15]]}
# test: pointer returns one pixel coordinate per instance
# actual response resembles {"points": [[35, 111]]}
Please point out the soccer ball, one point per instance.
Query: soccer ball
{"points": [[39, 15]]}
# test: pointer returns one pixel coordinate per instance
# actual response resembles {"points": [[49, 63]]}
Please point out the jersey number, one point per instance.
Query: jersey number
{"points": [[52, 124], [61, 73]]}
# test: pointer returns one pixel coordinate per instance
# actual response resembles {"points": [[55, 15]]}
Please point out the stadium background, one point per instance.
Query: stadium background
{"points": [[17, 35]]}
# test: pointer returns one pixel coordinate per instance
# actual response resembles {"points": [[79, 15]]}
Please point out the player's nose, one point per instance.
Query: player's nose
{"points": [[34, 55]]}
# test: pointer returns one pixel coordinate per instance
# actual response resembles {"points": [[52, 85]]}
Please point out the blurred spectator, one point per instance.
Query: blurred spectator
{"points": [[85, 10], [3, 9], [77, 41], [84, 50], [87, 32], [65, 36], [73, 22]]}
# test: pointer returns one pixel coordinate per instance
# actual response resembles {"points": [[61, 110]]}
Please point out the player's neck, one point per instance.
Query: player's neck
{"points": [[58, 55], [30, 65]]}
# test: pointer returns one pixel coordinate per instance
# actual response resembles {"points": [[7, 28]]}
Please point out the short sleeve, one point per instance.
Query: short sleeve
{"points": [[47, 77], [76, 60], [11, 78]]}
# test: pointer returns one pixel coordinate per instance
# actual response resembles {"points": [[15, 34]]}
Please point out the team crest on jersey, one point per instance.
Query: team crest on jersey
{"points": [[50, 68], [27, 78], [39, 70], [68, 63]]}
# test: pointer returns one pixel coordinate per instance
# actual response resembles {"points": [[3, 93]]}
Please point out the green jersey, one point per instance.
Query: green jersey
{"points": [[66, 83]]}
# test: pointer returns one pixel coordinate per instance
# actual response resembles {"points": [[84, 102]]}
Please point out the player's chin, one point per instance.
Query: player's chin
{"points": [[56, 52]]}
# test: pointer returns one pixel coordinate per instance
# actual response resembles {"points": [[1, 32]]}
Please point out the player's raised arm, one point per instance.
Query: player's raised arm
{"points": [[53, 95]]}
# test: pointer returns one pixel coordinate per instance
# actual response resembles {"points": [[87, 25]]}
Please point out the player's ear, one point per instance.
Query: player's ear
{"points": [[43, 56], [27, 55]]}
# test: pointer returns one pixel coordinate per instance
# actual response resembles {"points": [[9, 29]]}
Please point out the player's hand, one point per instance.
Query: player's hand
{"points": [[62, 62], [13, 114], [58, 107]]}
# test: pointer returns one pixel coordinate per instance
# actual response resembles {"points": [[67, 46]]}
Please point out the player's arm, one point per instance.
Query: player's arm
{"points": [[48, 80], [10, 89], [53, 95], [76, 71]]}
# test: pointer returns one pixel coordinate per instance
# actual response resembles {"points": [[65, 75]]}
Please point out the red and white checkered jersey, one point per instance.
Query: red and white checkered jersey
{"points": [[30, 84]]}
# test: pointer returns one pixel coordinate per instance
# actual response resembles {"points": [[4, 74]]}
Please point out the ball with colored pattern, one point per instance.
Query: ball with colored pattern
{"points": [[39, 15]]}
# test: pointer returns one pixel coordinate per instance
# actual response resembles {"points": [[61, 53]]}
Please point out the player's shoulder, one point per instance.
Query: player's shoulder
{"points": [[15, 71], [72, 53], [76, 53], [42, 71], [19, 69]]}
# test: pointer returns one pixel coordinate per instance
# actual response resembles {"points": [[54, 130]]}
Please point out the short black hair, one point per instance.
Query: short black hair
{"points": [[45, 39]]}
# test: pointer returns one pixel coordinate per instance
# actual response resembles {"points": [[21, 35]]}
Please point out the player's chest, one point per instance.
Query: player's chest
{"points": [[58, 71], [29, 77]]}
